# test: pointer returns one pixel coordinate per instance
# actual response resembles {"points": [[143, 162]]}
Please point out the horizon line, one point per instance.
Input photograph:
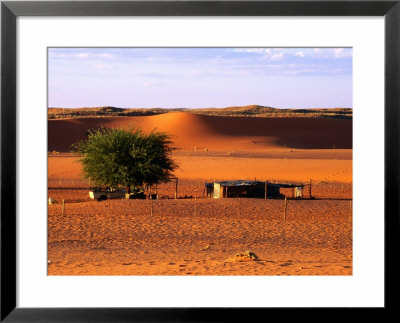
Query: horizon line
{"points": [[182, 108]]}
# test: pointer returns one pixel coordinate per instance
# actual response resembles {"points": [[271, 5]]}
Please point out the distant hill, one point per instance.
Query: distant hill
{"points": [[242, 111]]}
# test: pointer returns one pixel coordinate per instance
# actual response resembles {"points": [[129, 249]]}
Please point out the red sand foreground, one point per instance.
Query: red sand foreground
{"points": [[201, 236]]}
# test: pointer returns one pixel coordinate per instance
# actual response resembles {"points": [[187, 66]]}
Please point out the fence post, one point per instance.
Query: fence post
{"points": [[109, 204], [310, 190], [176, 189], [285, 212], [266, 185], [351, 211], [62, 209]]}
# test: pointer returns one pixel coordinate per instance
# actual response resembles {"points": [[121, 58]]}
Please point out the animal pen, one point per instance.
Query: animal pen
{"points": [[253, 189]]}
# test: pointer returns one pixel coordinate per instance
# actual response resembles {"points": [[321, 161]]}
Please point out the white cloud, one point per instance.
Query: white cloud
{"points": [[341, 52], [300, 54], [251, 50], [266, 53], [103, 66], [333, 52], [93, 56], [104, 55], [82, 55], [276, 56]]}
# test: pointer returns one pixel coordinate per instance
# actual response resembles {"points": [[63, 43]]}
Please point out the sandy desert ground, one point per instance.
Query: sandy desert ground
{"points": [[195, 235]]}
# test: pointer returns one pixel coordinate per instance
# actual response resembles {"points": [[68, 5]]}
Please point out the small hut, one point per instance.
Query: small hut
{"points": [[254, 189]]}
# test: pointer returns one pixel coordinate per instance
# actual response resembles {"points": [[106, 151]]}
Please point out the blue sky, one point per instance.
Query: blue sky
{"points": [[200, 77]]}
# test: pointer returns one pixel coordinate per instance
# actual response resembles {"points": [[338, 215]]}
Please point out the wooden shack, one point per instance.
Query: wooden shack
{"points": [[251, 189]]}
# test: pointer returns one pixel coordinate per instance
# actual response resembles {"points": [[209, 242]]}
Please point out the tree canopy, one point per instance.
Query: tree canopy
{"points": [[117, 157]]}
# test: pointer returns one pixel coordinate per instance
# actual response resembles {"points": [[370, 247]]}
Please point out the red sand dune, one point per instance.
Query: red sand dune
{"points": [[215, 132]]}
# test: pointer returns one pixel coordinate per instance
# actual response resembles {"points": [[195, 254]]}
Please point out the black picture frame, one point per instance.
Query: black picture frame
{"points": [[10, 10]]}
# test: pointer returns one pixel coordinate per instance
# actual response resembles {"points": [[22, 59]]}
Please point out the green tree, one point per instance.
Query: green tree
{"points": [[116, 157]]}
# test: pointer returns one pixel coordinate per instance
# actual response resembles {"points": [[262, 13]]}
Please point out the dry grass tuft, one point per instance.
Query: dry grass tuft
{"points": [[245, 256]]}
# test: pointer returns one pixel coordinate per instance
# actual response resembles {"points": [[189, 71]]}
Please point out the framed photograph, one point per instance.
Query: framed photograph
{"points": [[197, 160]]}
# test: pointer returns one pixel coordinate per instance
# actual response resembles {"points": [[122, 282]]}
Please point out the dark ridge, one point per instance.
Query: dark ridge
{"points": [[242, 111]]}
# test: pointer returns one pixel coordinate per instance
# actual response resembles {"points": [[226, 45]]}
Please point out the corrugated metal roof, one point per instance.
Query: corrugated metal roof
{"points": [[252, 183]]}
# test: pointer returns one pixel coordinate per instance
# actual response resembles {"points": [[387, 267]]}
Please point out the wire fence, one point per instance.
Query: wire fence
{"points": [[77, 189]]}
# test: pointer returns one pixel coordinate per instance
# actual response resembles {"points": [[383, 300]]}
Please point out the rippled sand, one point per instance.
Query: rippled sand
{"points": [[197, 237]]}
